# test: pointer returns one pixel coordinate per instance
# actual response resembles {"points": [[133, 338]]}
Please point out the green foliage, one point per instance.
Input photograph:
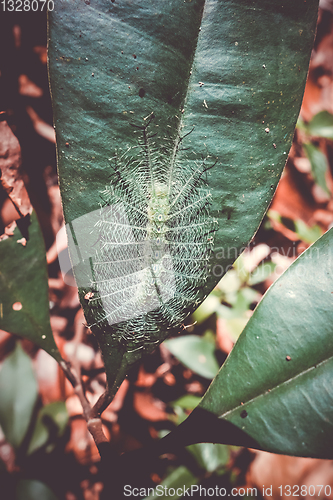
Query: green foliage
{"points": [[24, 288], [180, 478], [319, 165], [210, 456], [305, 232], [50, 425], [233, 296], [25, 429], [321, 125], [30, 489], [275, 385], [261, 273], [189, 402], [19, 391], [156, 115], [195, 353]]}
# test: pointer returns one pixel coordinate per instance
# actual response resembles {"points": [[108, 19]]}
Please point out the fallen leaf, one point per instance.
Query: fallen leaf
{"points": [[148, 407], [28, 87], [10, 163], [42, 128]]}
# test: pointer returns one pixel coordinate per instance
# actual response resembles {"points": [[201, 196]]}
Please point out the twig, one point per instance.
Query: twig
{"points": [[94, 422], [101, 404], [73, 373], [106, 398]]}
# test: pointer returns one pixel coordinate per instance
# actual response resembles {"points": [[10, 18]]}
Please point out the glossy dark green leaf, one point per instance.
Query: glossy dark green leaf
{"points": [[195, 353], [51, 423], [177, 118], [18, 395], [24, 302], [276, 385], [31, 489]]}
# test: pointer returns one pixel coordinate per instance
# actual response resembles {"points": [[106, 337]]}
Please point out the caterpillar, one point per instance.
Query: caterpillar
{"points": [[155, 237]]}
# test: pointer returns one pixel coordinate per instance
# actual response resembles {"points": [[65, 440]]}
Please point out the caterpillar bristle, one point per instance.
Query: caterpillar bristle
{"points": [[155, 237]]}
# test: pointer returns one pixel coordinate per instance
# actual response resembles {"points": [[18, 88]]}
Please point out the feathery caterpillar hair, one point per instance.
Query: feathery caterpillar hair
{"points": [[155, 239]]}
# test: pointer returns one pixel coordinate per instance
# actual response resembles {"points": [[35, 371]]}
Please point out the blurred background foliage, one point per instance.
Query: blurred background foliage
{"points": [[46, 451]]}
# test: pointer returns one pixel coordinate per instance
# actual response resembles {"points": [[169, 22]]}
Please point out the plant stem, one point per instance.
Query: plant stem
{"points": [[93, 419]]}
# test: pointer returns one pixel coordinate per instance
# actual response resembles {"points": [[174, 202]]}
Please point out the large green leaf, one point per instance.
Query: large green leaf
{"points": [[24, 304], [276, 385], [18, 395], [177, 118], [196, 353]]}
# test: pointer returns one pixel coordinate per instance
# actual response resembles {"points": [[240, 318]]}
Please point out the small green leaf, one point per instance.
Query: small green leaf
{"points": [[261, 273], [180, 479], [195, 353], [235, 326], [30, 489], [276, 385], [24, 303], [230, 283], [321, 125], [274, 215], [245, 297], [319, 165], [210, 456], [306, 233], [206, 309], [18, 395], [188, 402], [51, 422]]}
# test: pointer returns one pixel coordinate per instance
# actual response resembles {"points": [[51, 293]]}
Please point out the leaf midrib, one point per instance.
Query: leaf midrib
{"points": [[271, 391]]}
